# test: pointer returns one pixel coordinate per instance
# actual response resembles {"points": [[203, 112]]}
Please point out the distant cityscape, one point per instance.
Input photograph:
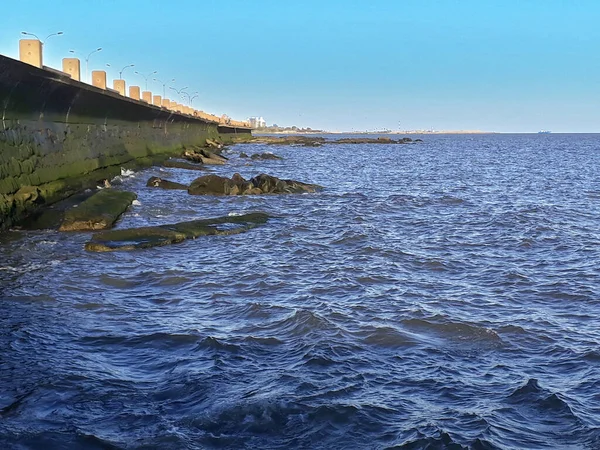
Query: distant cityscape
{"points": [[260, 124]]}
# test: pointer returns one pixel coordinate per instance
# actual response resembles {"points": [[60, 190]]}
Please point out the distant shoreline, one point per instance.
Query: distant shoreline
{"points": [[375, 132]]}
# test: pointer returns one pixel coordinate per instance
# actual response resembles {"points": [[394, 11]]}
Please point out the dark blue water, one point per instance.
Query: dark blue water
{"points": [[443, 295]]}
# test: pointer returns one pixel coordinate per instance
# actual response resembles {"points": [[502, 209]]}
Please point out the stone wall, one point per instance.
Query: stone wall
{"points": [[58, 136]]}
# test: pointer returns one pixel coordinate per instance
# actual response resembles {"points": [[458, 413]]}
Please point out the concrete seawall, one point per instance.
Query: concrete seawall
{"points": [[58, 136]]}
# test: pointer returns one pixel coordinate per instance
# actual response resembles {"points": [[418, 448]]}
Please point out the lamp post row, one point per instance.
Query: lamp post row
{"points": [[180, 92]]}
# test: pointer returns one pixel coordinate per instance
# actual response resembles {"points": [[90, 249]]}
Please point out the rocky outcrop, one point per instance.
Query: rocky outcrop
{"points": [[164, 184], [317, 141], [99, 212], [237, 185], [145, 237]]}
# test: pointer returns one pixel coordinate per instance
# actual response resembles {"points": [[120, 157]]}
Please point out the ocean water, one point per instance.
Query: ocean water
{"points": [[441, 295]]}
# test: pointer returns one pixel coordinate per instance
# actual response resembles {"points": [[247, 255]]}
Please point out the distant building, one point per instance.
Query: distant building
{"points": [[257, 122]]}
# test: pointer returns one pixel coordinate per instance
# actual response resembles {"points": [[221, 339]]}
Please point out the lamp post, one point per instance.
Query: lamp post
{"points": [[164, 86], [87, 59], [179, 91], [146, 76], [189, 96], [123, 69], [47, 37], [192, 99]]}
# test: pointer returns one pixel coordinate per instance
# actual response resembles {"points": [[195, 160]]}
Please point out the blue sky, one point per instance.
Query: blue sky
{"points": [[506, 66]]}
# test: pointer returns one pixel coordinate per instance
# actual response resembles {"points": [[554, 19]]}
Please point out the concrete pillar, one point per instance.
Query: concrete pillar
{"points": [[72, 66], [99, 79], [134, 92], [156, 100], [147, 96], [119, 86], [30, 52], [166, 103]]}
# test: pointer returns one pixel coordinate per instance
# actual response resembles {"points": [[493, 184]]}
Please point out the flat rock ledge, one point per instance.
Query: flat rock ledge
{"points": [[237, 185], [99, 212], [146, 237]]}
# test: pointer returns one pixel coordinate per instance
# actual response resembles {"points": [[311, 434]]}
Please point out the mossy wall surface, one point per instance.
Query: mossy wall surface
{"points": [[58, 136]]}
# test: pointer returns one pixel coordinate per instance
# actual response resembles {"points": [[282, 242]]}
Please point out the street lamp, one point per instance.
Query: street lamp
{"points": [[178, 91], [87, 59], [146, 76], [123, 69], [193, 97], [164, 86], [47, 37], [189, 96]]}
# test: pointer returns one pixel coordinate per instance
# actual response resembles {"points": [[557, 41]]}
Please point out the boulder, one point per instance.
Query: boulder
{"points": [[98, 212], [243, 155], [164, 184], [237, 185], [145, 237], [212, 185], [272, 185]]}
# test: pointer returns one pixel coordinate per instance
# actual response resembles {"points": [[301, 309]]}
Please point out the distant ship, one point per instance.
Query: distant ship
{"points": [[544, 132]]}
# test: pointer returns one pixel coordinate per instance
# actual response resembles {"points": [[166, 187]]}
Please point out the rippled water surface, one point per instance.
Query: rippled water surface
{"points": [[442, 295]]}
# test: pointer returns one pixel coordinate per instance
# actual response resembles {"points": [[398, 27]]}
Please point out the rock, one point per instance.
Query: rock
{"points": [[214, 144], [265, 156], [193, 156], [99, 212], [28, 194], [145, 237], [237, 185], [243, 155], [164, 184], [204, 156], [272, 185], [171, 163], [212, 185], [418, 140]]}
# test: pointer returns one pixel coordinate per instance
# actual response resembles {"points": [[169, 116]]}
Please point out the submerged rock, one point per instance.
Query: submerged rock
{"points": [[243, 155], [237, 185], [174, 164], [99, 212], [165, 184], [145, 237], [265, 156]]}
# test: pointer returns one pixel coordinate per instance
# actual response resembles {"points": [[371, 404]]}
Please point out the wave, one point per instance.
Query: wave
{"points": [[460, 331]]}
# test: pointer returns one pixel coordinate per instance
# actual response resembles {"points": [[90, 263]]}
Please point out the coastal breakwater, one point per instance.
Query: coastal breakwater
{"points": [[59, 135]]}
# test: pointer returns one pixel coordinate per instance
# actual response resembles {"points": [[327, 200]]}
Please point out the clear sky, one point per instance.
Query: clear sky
{"points": [[494, 65]]}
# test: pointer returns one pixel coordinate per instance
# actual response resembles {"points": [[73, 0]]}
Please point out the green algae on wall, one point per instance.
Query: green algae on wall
{"points": [[58, 136]]}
